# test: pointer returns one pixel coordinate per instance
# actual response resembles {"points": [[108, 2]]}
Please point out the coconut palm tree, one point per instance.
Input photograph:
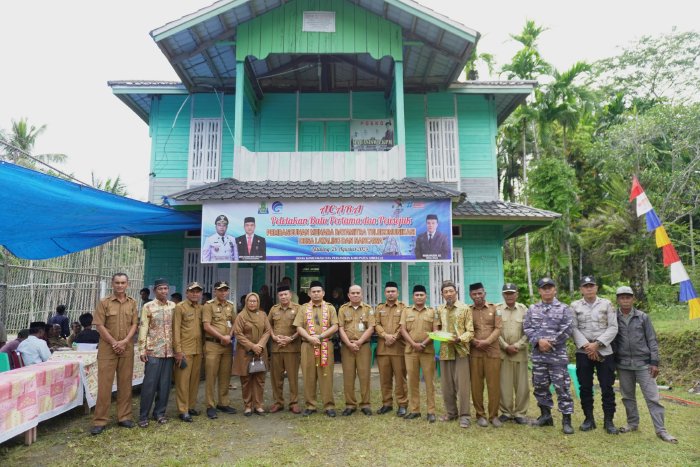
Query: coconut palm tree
{"points": [[527, 64], [23, 136], [110, 185]]}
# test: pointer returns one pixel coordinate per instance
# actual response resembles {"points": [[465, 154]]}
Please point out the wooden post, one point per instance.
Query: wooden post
{"points": [[238, 113]]}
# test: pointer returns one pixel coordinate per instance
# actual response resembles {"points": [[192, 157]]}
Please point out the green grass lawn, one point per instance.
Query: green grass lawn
{"points": [[286, 439], [673, 318]]}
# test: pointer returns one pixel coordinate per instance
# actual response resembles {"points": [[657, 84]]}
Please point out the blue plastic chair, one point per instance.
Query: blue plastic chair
{"points": [[4, 362]]}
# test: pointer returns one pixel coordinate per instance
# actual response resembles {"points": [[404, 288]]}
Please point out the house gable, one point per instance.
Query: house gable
{"points": [[356, 31]]}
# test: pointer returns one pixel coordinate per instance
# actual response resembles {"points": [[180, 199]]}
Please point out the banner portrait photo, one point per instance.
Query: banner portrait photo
{"points": [[326, 230]]}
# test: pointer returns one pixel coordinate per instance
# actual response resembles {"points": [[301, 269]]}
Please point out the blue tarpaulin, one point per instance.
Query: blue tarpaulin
{"points": [[42, 216]]}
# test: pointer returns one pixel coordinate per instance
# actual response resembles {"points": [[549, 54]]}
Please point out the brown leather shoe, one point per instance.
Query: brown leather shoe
{"points": [[275, 408], [295, 409]]}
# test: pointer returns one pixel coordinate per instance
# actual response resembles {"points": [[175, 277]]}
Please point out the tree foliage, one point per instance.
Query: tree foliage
{"points": [[579, 140], [655, 69], [23, 136]]}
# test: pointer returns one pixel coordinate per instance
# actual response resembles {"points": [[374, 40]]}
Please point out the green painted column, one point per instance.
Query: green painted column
{"points": [[400, 115], [238, 113]]}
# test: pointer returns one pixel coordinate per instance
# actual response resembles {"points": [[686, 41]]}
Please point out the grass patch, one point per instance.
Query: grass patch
{"points": [[286, 439]]}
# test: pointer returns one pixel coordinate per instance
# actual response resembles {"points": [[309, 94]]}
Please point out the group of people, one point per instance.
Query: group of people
{"points": [[36, 343], [483, 344]]}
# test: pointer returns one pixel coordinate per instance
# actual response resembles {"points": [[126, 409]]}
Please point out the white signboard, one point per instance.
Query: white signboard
{"points": [[371, 135], [318, 21]]}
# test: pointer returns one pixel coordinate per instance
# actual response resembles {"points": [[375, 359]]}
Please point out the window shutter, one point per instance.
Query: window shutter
{"points": [[205, 148], [442, 271], [372, 283], [194, 270], [274, 275], [442, 150]]}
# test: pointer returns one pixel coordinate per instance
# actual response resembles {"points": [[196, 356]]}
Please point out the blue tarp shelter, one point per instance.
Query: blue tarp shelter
{"points": [[42, 216]]}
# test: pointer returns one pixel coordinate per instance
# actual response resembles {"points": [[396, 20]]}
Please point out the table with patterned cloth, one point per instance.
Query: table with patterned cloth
{"points": [[36, 393], [88, 370]]}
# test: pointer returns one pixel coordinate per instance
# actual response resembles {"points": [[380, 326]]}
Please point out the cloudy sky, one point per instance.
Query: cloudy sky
{"points": [[56, 59]]}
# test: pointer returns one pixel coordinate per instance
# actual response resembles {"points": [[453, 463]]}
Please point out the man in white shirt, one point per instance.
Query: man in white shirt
{"points": [[34, 348]]}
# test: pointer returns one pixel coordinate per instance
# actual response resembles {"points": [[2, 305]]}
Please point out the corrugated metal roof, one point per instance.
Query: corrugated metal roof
{"points": [[507, 94], [193, 43], [233, 189], [137, 94]]}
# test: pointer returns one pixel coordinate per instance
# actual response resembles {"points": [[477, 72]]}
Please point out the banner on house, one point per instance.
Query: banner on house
{"points": [[326, 231], [371, 135]]}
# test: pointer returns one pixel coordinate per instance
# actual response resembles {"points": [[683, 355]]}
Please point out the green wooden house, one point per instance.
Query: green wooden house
{"points": [[270, 94]]}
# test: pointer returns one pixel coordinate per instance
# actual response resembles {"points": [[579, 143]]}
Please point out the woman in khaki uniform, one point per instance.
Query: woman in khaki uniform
{"points": [[252, 330]]}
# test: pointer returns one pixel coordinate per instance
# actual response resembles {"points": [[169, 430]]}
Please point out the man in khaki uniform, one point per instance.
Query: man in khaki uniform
{"points": [[286, 350], [390, 351], [513, 343], [316, 323], [187, 344], [455, 317], [116, 319], [416, 322], [217, 318], [485, 358], [356, 321]]}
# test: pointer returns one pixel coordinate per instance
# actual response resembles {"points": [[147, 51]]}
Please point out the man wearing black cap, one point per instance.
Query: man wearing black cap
{"points": [[595, 328], [513, 343], [316, 324], [432, 244], [217, 319], [251, 247], [548, 325], [187, 344], [219, 247], [417, 321], [156, 351], [390, 351], [485, 356], [286, 350]]}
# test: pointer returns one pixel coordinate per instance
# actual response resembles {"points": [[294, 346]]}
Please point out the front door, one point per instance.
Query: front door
{"points": [[335, 278]]}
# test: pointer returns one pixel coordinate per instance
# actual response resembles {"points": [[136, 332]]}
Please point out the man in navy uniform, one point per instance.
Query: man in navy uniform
{"points": [[251, 246], [432, 244], [219, 246], [547, 325]]}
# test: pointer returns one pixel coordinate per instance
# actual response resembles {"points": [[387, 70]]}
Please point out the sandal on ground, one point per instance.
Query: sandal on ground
{"points": [[259, 411], [143, 423], [248, 412], [627, 428], [162, 420]]}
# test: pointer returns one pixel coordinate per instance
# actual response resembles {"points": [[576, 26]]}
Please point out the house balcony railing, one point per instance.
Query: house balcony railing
{"points": [[320, 166]]}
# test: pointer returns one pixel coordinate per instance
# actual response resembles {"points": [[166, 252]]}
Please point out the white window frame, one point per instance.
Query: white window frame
{"points": [[194, 270], [442, 271], [372, 283], [442, 149], [204, 156]]}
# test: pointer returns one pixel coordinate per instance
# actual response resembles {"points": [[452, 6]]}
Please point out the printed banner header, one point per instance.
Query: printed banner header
{"points": [[323, 231]]}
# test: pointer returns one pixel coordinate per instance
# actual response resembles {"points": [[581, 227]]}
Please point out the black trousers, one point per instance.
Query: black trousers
{"points": [[605, 370], [156, 385]]}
